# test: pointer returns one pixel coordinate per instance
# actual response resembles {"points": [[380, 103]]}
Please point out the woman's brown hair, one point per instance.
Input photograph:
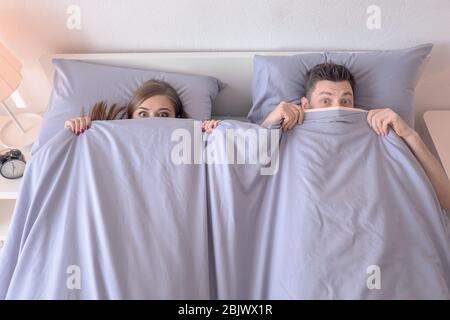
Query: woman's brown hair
{"points": [[101, 110]]}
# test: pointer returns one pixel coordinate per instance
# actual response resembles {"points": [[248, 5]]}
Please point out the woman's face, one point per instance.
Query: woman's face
{"points": [[156, 106]]}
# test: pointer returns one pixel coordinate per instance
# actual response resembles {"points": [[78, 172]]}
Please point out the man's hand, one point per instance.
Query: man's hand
{"points": [[381, 119], [288, 114]]}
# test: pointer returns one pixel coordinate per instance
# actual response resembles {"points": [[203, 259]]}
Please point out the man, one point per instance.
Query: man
{"points": [[332, 85]]}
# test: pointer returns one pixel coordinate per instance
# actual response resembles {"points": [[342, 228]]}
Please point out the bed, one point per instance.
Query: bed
{"points": [[95, 222]]}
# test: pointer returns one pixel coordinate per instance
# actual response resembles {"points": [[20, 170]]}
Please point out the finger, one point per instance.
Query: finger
{"points": [[374, 123], [376, 112], [285, 123], [206, 125], [379, 126], [370, 116], [297, 116], [213, 124], [292, 119], [371, 121], [293, 115], [385, 121], [301, 117], [88, 122], [393, 122], [82, 125], [385, 127], [292, 125], [286, 126], [79, 125], [72, 126], [76, 122]]}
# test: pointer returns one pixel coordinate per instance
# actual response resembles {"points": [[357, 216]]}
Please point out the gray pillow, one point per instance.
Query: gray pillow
{"points": [[383, 78], [78, 85]]}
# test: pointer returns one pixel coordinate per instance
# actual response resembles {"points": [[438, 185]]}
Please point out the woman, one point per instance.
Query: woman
{"points": [[154, 98]]}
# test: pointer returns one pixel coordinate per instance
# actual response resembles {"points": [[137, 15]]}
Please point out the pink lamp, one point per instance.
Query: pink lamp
{"points": [[22, 129]]}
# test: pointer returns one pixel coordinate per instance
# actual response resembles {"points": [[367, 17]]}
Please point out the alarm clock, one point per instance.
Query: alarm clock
{"points": [[12, 164]]}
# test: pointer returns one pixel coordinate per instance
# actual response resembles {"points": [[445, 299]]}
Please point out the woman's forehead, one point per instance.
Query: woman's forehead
{"points": [[157, 102]]}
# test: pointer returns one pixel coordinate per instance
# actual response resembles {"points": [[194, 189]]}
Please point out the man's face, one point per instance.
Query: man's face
{"points": [[330, 94]]}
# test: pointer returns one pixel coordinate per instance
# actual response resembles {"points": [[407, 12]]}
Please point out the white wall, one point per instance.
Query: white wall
{"points": [[34, 27], [6, 211]]}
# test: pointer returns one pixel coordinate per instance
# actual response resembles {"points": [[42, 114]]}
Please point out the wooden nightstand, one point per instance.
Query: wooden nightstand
{"points": [[438, 124], [9, 191]]}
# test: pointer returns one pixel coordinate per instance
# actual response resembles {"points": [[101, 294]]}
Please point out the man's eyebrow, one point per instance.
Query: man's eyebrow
{"points": [[348, 93], [325, 92]]}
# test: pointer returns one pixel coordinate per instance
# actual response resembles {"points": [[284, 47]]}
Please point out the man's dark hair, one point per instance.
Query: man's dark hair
{"points": [[327, 71]]}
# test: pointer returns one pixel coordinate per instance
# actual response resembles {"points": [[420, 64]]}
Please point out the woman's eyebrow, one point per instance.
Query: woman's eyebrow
{"points": [[160, 109]]}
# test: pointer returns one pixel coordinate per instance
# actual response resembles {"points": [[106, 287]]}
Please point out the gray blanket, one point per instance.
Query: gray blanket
{"points": [[108, 215], [349, 215], [341, 213]]}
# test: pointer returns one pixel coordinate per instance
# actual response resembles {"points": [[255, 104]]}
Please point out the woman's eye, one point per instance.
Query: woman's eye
{"points": [[143, 114]]}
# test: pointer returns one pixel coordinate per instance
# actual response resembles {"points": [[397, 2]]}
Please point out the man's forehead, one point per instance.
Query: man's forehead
{"points": [[325, 86]]}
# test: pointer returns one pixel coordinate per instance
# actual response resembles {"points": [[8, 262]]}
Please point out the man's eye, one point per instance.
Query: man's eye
{"points": [[325, 101], [143, 114], [163, 114]]}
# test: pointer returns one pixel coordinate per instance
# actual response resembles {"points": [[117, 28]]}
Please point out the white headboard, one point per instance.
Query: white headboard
{"points": [[233, 68]]}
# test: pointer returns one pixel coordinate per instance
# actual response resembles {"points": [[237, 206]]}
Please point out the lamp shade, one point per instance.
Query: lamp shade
{"points": [[10, 76]]}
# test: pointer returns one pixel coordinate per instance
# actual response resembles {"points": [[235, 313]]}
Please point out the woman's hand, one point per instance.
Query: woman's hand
{"points": [[381, 119], [209, 125], [78, 125], [288, 114]]}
